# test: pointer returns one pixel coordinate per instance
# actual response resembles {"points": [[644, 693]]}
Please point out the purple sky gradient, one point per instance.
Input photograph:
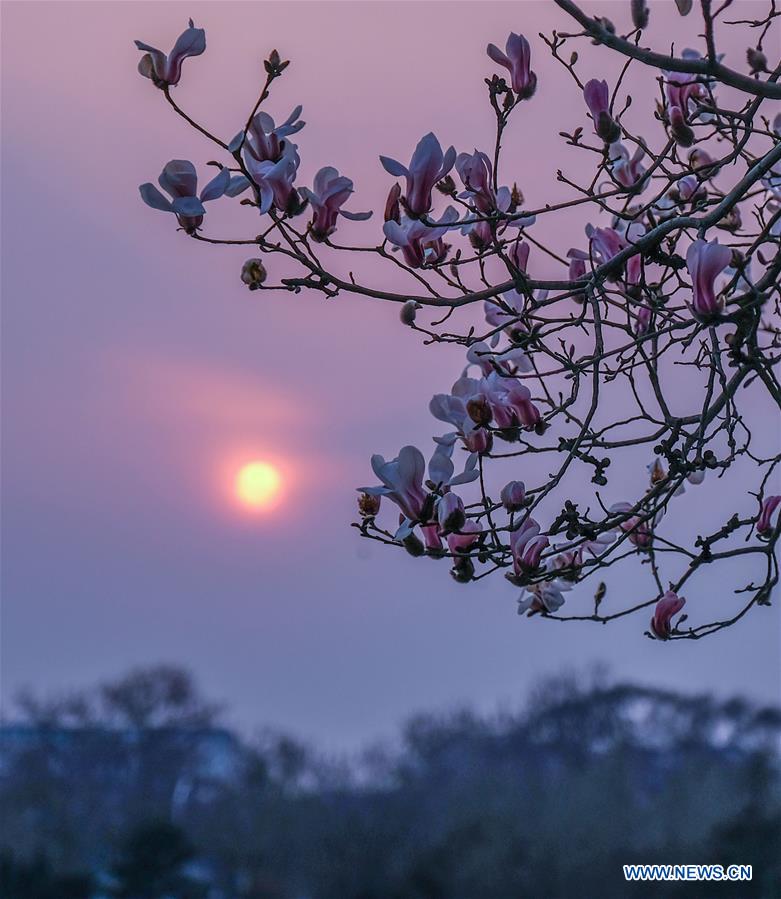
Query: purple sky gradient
{"points": [[138, 372]]}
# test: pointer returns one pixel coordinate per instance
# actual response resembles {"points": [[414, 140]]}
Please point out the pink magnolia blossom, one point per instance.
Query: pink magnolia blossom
{"points": [[597, 97], [167, 70], [330, 191], [765, 520], [431, 538], [517, 60], [420, 244], [527, 546], [402, 481], [512, 495], [706, 261], [640, 532], [275, 181], [180, 181], [475, 170], [683, 88], [627, 170], [661, 624], [465, 539], [265, 140], [427, 166], [545, 597], [450, 513]]}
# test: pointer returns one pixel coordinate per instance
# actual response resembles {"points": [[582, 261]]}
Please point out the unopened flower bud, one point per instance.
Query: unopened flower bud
{"points": [[757, 60], [414, 545], [392, 209], [369, 505], [253, 273], [700, 160], [639, 13], [450, 513], [409, 311], [463, 571], [513, 496]]}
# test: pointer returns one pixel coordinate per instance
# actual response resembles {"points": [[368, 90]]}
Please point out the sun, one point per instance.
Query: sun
{"points": [[258, 485]]}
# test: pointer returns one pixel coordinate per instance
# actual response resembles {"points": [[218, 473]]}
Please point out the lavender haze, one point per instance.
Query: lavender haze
{"points": [[139, 374]]}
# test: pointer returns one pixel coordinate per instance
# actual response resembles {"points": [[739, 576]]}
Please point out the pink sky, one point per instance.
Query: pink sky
{"points": [[138, 371]]}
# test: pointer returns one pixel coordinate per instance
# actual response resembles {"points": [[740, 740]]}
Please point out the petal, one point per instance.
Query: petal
{"points": [[356, 216], [152, 197], [191, 42], [497, 56], [188, 206], [217, 186], [179, 178], [392, 167], [238, 184]]}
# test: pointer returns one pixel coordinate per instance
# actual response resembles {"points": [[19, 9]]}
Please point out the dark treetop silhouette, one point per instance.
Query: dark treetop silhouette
{"points": [[677, 284]]}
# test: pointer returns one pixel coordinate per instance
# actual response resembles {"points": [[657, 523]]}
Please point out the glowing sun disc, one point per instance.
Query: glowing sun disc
{"points": [[258, 485]]}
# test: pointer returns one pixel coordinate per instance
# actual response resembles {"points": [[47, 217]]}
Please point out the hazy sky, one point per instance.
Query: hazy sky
{"points": [[138, 373]]}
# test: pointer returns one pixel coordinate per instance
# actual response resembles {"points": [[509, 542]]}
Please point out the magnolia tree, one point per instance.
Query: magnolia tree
{"points": [[675, 280]]}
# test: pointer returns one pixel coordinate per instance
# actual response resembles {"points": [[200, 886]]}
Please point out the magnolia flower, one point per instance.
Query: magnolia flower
{"points": [[441, 469], [402, 481], [329, 191], [547, 596], [180, 181], [705, 262], [427, 166], [420, 244], [625, 169], [661, 624], [597, 97], [512, 495], [506, 314], [466, 537], [639, 531], [765, 520], [450, 513], [274, 181], [570, 558], [517, 60], [265, 141], [475, 170], [167, 70], [605, 243], [527, 546], [683, 89]]}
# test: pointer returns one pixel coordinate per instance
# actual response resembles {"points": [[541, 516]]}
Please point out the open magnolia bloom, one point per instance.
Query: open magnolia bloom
{"points": [[164, 70], [427, 166], [630, 316], [180, 181]]}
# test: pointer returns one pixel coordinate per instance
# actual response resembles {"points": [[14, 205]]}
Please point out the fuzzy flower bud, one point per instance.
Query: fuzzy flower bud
{"points": [[253, 273]]}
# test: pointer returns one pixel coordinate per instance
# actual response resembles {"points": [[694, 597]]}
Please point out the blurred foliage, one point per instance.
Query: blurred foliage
{"points": [[135, 790]]}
